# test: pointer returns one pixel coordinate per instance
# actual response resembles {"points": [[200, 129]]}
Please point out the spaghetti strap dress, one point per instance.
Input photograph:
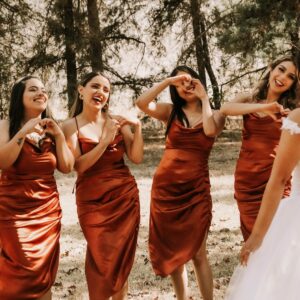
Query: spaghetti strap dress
{"points": [[260, 139], [181, 205], [108, 208], [30, 217]]}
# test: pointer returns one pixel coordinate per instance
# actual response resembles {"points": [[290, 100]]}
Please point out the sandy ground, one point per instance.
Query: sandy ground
{"points": [[223, 243]]}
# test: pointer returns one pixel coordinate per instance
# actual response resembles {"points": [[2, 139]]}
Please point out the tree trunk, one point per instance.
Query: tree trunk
{"points": [[70, 54], [94, 36], [195, 13], [295, 39], [208, 67], [202, 51]]}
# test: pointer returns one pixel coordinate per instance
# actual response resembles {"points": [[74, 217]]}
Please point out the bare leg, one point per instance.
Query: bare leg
{"points": [[180, 283], [122, 294], [47, 296], [203, 272]]}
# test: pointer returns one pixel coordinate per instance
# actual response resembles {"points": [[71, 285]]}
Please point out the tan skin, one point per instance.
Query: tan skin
{"points": [[35, 102], [281, 79], [288, 155], [197, 110], [99, 126]]}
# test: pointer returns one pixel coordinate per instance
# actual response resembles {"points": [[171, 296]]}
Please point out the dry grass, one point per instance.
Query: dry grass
{"points": [[223, 241]]}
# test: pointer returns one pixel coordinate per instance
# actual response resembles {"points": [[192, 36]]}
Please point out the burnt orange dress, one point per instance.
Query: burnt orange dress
{"points": [[260, 139], [109, 214], [30, 217], [181, 206]]}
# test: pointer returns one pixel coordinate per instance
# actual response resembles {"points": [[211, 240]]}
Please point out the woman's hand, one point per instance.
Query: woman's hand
{"points": [[184, 79], [274, 110], [252, 244], [126, 121], [51, 127], [33, 125], [199, 90], [110, 130]]}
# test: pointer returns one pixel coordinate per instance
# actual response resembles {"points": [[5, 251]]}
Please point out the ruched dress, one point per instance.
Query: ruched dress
{"points": [[181, 205], [260, 139], [109, 213], [30, 225]]}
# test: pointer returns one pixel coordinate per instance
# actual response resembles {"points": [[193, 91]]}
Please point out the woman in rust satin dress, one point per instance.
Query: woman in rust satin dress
{"points": [[106, 192], [30, 212], [181, 206], [262, 112]]}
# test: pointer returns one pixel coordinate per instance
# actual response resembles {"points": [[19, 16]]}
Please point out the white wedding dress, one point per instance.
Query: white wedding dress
{"points": [[273, 271]]}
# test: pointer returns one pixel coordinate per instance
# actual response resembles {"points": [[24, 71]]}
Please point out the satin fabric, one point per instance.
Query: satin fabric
{"points": [[181, 206], [109, 214], [30, 217], [260, 139]]}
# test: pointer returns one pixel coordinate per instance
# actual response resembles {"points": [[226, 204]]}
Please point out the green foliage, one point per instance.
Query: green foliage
{"points": [[15, 17], [259, 28]]}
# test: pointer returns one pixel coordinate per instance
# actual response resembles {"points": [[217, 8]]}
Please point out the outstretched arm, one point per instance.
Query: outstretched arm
{"points": [[242, 105], [286, 159]]}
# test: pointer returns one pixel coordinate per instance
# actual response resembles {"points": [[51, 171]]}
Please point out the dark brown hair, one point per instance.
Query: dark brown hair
{"points": [[178, 102], [16, 106]]}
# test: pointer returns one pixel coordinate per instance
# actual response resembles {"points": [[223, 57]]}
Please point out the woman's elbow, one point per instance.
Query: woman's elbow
{"points": [[211, 132], [67, 168], [79, 168], [136, 159], [138, 103]]}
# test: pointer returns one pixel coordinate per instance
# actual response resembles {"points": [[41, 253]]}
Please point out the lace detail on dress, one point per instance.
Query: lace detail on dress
{"points": [[291, 126]]}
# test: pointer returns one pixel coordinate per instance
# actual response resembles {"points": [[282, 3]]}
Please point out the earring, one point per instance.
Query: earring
{"points": [[80, 96]]}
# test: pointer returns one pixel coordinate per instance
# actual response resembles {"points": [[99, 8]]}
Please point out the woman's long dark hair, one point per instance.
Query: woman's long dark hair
{"points": [[290, 97], [77, 107], [16, 106], [178, 102]]}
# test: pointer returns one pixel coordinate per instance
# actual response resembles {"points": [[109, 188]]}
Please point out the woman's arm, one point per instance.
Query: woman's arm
{"points": [[134, 143], [242, 105], [11, 148], [65, 158], [287, 157], [87, 160], [146, 103], [213, 121], [160, 111]]}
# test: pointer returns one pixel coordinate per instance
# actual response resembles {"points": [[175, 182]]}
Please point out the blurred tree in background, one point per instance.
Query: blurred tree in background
{"points": [[15, 17], [137, 42], [256, 31], [192, 24]]}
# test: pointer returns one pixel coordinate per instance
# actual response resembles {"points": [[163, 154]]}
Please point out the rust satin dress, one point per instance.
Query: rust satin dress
{"points": [[109, 214], [181, 206], [260, 139], [30, 217]]}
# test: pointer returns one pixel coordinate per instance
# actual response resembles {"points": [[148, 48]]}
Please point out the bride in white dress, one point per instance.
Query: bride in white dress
{"points": [[272, 272]]}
